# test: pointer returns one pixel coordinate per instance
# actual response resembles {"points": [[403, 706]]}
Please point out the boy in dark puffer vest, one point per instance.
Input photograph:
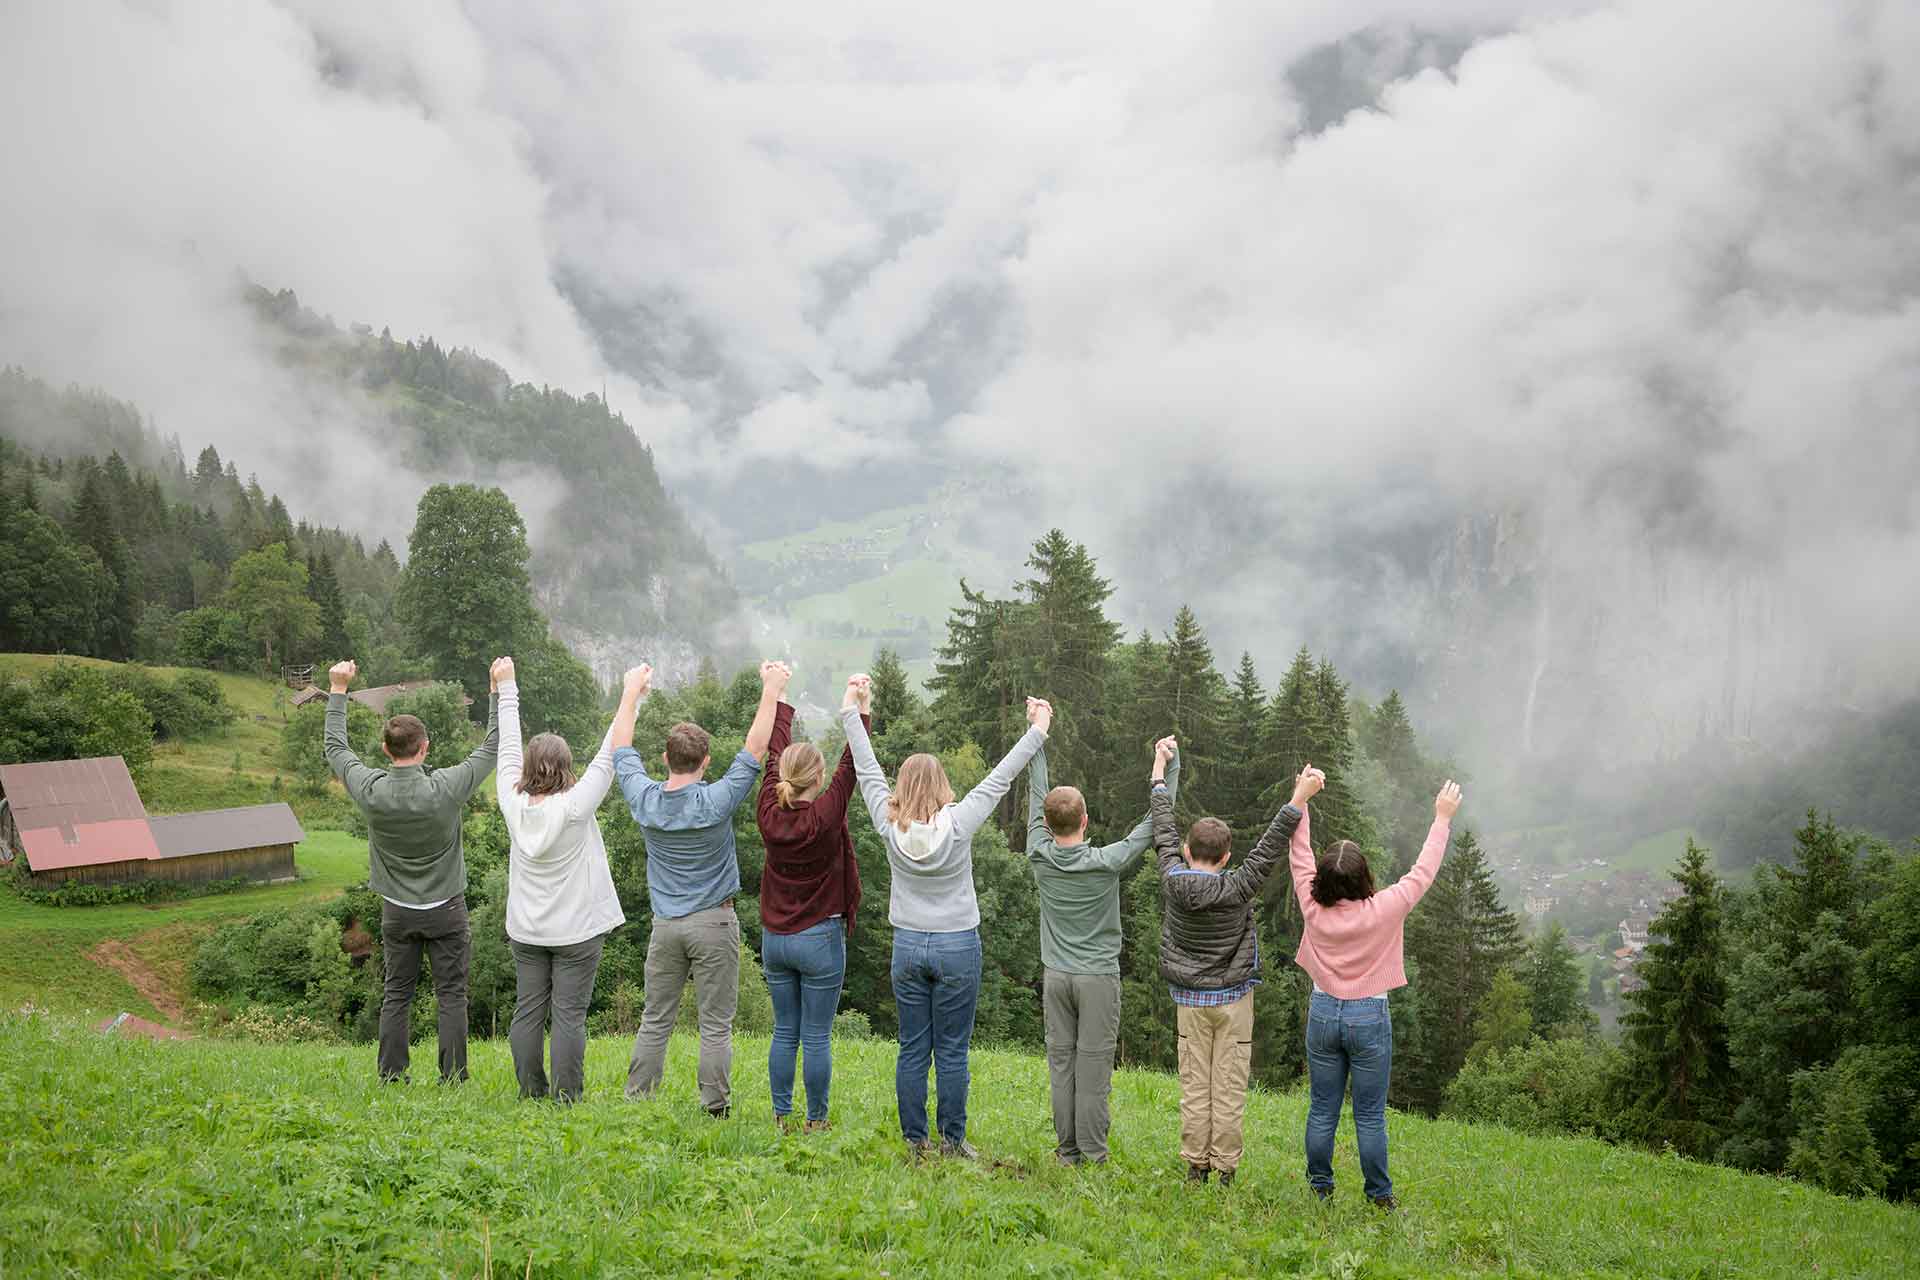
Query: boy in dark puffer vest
{"points": [[1210, 957]]}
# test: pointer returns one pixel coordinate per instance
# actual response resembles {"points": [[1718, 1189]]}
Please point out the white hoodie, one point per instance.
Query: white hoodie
{"points": [[559, 889], [932, 862]]}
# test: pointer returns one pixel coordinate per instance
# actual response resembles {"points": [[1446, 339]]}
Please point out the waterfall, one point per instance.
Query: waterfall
{"points": [[1542, 655]]}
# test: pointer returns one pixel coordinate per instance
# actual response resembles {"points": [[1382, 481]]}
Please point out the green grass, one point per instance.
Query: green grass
{"points": [[45, 956], [218, 1158]]}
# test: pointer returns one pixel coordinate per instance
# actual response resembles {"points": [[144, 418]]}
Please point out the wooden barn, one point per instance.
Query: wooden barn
{"points": [[83, 820]]}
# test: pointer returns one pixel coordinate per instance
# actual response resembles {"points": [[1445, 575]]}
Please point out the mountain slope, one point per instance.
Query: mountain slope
{"points": [[125, 1157]]}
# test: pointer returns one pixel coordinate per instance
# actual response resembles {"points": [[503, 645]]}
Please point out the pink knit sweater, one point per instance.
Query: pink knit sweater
{"points": [[1353, 949]]}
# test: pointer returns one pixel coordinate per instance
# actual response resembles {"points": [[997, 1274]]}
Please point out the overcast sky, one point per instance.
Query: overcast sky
{"points": [[1647, 270]]}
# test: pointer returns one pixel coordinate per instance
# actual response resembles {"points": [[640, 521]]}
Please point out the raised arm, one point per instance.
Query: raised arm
{"points": [[770, 779], [1166, 836], [597, 780], [1037, 798], [1405, 893], [773, 683], [1300, 847], [1122, 854], [866, 766], [1244, 882], [507, 769], [978, 803], [346, 766], [464, 779]]}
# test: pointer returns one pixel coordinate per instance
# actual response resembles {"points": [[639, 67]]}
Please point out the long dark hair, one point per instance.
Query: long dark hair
{"points": [[1342, 873]]}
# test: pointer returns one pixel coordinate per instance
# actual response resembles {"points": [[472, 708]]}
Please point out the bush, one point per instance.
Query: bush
{"points": [[192, 706], [75, 893], [451, 733], [1546, 1086], [213, 637], [277, 1026], [851, 1024], [289, 962], [303, 751]]}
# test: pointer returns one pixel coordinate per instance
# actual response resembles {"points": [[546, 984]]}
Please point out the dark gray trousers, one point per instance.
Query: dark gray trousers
{"points": [[1083, 1027], [441, 935], [557, 980], [705, 947]]}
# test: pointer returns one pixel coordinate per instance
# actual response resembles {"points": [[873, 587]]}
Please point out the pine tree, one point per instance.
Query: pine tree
{"points": [[1196, 701], [1504, 1020], [1241, 770], [1838, 1152], [94, 526], [1675, 1029], [1555, 985], [893, 696], [207, 475], [1060, 640], [323, 588], [973, 681]]}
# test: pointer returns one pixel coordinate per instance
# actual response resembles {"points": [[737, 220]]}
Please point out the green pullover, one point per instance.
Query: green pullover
{"points": [[413, 813], [1080, 884]]}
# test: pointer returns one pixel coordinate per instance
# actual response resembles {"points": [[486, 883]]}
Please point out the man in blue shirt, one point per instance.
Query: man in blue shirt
{"points": [[693, 874]]}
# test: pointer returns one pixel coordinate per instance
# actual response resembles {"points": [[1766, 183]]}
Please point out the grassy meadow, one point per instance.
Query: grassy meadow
{"points": [[220, 1158]]}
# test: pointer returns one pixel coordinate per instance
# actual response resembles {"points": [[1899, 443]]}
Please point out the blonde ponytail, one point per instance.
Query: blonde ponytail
{"points": [[802, 769]]}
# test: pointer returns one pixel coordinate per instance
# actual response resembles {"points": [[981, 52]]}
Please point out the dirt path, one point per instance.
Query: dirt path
{"points": [[119, 957]]}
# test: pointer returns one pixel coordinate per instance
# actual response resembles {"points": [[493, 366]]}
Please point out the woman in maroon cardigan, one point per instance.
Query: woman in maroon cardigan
{"points": [[809, 892]]}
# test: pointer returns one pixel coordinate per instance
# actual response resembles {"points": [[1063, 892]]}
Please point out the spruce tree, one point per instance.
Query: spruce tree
{"points": [[1241, 769], [1060, 642], [1676, 1074], [1504, 1020], [1555, 986], [893, 696], [1196, 701], [323, 588]]}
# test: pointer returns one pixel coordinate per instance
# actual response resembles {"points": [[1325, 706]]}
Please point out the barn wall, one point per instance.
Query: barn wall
{"points": [[267, 862]]}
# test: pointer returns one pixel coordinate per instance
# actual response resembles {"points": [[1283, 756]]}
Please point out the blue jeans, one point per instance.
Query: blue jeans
{"points": [[804, 972], [936, 985], [1349, 1040]]}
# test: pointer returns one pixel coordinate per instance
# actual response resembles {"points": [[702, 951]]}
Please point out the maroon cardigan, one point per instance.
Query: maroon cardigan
{"points": [[810, 873]]}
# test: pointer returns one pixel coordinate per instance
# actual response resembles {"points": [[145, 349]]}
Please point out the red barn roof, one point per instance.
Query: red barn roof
{"points": [[77, 813]]}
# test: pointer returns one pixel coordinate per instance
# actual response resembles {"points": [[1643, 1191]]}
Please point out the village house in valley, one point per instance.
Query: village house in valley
{"points": [[82, 820]]}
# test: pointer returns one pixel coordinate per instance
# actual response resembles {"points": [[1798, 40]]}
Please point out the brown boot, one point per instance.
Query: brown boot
{"points": [[817, 1126], [1197, 1172]]}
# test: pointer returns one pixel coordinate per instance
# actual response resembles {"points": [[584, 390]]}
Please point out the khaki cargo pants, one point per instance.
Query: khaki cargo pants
{"points": [[1216, 1053]]}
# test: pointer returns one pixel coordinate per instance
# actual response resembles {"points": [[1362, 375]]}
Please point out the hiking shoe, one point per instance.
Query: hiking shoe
{"points": [[816, 1126], [720, 1112], [1226, 1177], [1386, 1204], [962, 1149], [785, 1124], [921, 1150], [1323, 1194], [1198, 1172]]}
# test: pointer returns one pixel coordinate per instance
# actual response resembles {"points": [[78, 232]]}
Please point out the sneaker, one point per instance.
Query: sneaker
{"points": [[1226, 1177], [962, 1149], [1198, 1172], [1386, 1204], [816, 1126], [920, 1150]]}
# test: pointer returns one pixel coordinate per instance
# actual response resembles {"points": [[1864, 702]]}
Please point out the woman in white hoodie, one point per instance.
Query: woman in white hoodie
{"points": [[561, 902], [934, 912]]}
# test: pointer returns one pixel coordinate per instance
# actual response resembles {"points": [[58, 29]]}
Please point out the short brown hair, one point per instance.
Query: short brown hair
{"points": [[1066, 809], [548, 769], [403, 736], [1342, 873], [687, 747], [1209, 841]]}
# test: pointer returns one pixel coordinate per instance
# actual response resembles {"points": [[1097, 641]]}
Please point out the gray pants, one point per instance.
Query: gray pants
{"points": [[1083, 1026], [704, 946], [560, 980], [441, 933]]}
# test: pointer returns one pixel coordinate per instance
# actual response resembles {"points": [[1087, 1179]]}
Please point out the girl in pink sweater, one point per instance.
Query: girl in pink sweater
{"points": [[1352, 947]]}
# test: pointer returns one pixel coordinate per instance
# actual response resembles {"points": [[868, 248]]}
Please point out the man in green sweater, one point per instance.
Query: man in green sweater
{"points": [[416, 865], [1080, 948]]}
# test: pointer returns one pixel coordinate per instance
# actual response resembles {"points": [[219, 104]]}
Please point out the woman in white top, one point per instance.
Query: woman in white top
{"points": [[561, 902]]}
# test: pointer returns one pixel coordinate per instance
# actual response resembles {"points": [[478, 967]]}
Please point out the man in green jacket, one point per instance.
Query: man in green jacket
{"points": [[416, 865], [1079, 888]]}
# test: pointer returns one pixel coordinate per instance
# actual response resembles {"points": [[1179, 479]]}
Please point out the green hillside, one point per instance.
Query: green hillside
{"points": [[212, 1158]]}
